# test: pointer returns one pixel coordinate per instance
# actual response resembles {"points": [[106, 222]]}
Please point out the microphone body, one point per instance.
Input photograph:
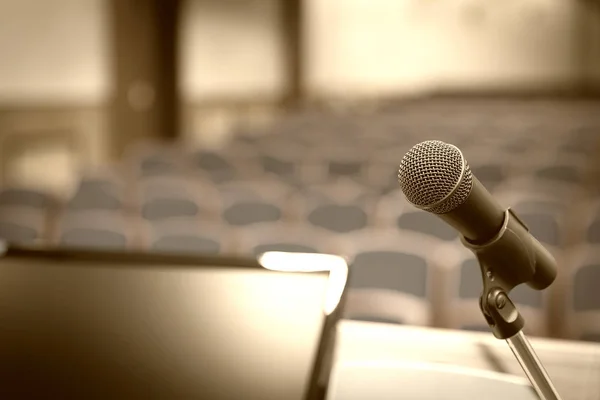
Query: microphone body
{"points": [[479, 218]]}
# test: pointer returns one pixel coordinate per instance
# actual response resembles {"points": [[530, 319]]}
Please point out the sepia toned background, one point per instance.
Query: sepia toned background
{"points": [[238, 126]]}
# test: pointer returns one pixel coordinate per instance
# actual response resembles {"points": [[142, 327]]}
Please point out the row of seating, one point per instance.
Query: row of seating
{"points": [[327, 183], [339, 208]]}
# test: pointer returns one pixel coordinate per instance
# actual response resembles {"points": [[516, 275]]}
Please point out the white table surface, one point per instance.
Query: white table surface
{"points": [[574, 367]]}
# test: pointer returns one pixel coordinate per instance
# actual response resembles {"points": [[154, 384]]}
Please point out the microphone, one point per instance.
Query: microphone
{"points": [[435, 177]]}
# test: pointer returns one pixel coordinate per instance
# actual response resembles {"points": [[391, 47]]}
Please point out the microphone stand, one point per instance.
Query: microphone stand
{"points": [[507, 261]]}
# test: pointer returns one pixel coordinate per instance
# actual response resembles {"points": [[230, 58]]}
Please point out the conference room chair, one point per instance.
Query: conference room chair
{"points": [[464, 287], [391, 278], [148, 158], [580, 281], [425, 226], [23, 225], [523, 144], [260, 238], [99, 193], [284, 158], [166, 196], [248, 202], [187, 236], [227, 163], [381, 178], [584, 302], [389, 207], [340, 207], [529, 188], [25, 197], [491, 174], [547, 220], [97, 229], [568, 174], [343, 159], [582, 142]]}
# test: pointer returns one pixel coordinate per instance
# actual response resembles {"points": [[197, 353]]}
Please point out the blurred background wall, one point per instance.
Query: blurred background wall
{"points": [[56, 76], [55, 85]]}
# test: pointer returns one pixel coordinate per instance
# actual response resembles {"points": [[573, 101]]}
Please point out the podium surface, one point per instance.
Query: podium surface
{"points": [[423, 381], [366, 351]]}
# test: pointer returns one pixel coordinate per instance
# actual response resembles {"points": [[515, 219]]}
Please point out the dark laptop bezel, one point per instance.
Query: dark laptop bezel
{"points": [[322, 364]]}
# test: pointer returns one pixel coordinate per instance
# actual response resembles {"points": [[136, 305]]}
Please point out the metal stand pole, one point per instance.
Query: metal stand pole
{"points": [[512, 258], [532, 367]]}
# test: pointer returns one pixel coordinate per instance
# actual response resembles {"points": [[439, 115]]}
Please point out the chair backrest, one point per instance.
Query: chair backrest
{"points": [[251, 202], [341, 206], [464, 291], [164, 197], [98, 193], [264, 237], [23, 225], [581, 296], [152, 158], [99, 229], [424, 223], [23, 197], [188, 236], [391, 279]]}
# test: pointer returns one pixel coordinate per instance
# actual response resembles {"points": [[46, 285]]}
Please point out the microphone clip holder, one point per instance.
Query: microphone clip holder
{"points": [[511, 258]]}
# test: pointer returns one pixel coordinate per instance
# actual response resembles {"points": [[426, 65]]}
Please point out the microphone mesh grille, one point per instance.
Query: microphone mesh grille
{"points": [[429, 173]]}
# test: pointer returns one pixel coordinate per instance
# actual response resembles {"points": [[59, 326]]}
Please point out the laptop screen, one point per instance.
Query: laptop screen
{"points": [[90, 330]]}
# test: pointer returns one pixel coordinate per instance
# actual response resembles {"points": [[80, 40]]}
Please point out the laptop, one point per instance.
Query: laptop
{"points": [[97, 325]]}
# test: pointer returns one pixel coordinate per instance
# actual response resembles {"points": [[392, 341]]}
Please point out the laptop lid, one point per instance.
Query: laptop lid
{"points": [[95, 325]]}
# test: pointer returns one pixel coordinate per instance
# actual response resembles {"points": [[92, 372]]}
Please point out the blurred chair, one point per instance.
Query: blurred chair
{"points": [[188, 237], [23, 225], [522, 145], [97, 229], [164, 197], [584, 304], [24, 197], [214, 164], [339, 160], [582, 139], [157, 164], [381, 134], [569, 174], [251, 202], [381, 177], [547, 221], [392, 151], [261, 238], [491, 175], [494, 165], [391, 279], [25, 215], [580, 281], [284, 159], [425, 224], [341, 207], [394, 211], [464, 286], [389, 207], [99, 191], [520, 189], [151, 158], [229, 163]]}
